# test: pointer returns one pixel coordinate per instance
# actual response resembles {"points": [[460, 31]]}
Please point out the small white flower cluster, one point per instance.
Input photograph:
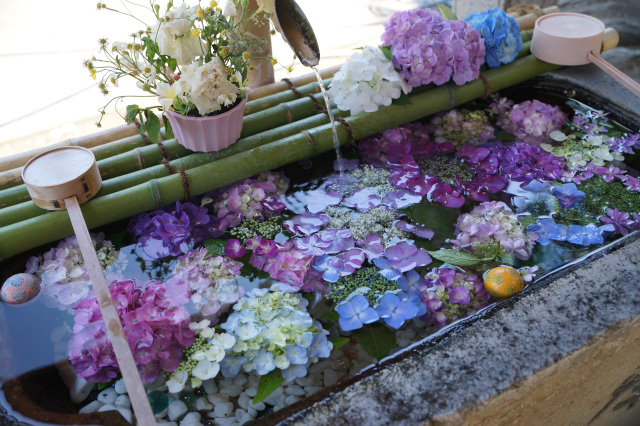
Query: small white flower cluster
{"points": [[366, 81], [201, 361], [174, 37], [274, 330], [578, 153]]}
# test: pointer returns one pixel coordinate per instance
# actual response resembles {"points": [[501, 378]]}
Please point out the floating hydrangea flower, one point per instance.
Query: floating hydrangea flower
{"points": [[530, 121], [318, 200], [306, 223], [363, 199], [462, 127], [274, 330], [395, 311], [65, 280], [620, 220], [567, 194], [547, 230], [207, 280], [449, 295], [334, 267], [405, 256], [365, 82], [355, 313], [143, 308], [488, 225], [501, 34], [429, 49]]}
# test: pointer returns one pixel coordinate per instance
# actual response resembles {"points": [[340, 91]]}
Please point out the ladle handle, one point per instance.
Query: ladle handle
{"points": [[132, 380], [614, 72]]}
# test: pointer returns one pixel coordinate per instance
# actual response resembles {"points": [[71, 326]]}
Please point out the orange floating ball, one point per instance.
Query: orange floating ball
{"points": [[503, 282], [20, 288]]}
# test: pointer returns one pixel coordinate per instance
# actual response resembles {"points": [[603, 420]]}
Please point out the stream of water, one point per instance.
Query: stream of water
{"points": [[336, 141]]}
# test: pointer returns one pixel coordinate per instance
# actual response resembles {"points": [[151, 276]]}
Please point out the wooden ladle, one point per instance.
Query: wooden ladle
{"points": [[574, 39], [63, 178]]}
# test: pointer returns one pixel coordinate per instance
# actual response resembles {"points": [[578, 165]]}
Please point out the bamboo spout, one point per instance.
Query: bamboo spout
{"points": [[290, 21]]}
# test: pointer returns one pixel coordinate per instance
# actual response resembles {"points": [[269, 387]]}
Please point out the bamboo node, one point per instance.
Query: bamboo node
{"points": [[139, 158], [487, 86], [288, 110], [311, 141]]}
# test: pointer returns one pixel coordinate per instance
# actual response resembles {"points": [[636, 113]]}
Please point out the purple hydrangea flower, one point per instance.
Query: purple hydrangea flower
{"points": [[400, 199], [620, 220], [632, 183], [234, 249], [329, 241], [404, 256], [371, 246], [610, 173], [386, 269], [355, 313], [362, 199], [318, 200], [418, 230], [334, 267], [306, 223]]}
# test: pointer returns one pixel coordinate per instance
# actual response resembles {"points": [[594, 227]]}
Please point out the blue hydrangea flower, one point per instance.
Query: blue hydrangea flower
{"points": [[320, 346], [294, 371], [547, 230], [567, 194], [412, 282], [587, 235], [355, 313], [395, 311], [386, 270], [296, 354], [230, 365], [264, 362], [501, 34]]}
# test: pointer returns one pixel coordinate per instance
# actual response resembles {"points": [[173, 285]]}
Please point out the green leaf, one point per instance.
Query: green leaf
{"points": [[152, 125], [268, 383], [168, 130], [386, 50], [117, 238], [338, 341], [455, 257], [215, 247], [440, 219], [527, 220], [132, 112], [330, 316], [376, 340], [446, 12]]}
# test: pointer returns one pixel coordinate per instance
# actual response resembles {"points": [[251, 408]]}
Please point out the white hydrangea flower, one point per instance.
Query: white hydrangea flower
{"points": [[205, 84], [206, 369], [366, 81], [177, 380]]}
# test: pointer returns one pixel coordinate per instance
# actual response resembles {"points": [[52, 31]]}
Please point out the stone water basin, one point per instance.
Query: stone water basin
{"points": [[418, 382]]}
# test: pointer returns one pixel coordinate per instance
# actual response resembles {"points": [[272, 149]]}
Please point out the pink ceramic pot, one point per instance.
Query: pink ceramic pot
{"points": [[206, 134]]}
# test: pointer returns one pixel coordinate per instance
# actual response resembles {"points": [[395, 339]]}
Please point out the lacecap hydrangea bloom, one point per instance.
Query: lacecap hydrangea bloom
{"points": [[274, 330], [462, 127], [489, 224], [428, 49], [501, 34], [366, 81]]}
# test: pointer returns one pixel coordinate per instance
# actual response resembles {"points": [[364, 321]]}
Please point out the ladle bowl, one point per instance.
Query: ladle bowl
{"points": [[574, 39]]}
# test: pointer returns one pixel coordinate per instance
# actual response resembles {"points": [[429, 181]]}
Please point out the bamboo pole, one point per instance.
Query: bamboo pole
{"points": [[22, 236], [528, 21], [27, 210], [261, 104]]}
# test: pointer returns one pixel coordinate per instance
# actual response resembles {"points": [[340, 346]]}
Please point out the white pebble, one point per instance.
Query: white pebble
{"points": [[252, 412], [294, 390], [60, 347], [321, 366], [273, 398], [245, 419], [240, 379], [336, 354], [239, 413], [191, 419], [253, 380], [120, 387], [312, 389], [304, 381], [232, 390], [217, 398], [223, 409], [167, 424], [291, 399], [80, 390], [176, 410], [67, 372], [58, 333], [330, 377], [252, 391], [403, 343], [92, 407], [259, 406], [225, 421], [108, 395], [228, 381], [107, 407], [210, 386], [125, 412], [122, 401], [244, 400], [202, 404]]}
